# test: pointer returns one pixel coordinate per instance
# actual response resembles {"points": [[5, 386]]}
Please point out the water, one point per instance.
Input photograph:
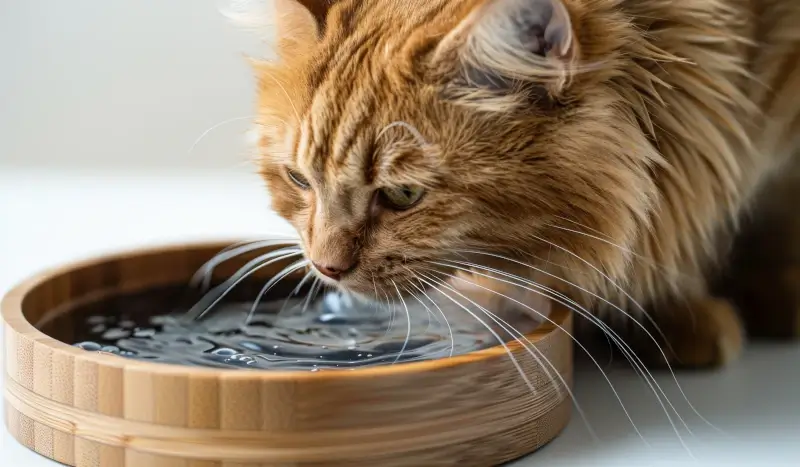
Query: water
{"points": [[335, 332]]}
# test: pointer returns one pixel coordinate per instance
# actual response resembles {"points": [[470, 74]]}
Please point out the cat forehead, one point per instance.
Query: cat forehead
{"points": [[355, 153]]}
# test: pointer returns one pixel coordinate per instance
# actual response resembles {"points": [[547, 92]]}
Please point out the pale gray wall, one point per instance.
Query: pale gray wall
{"points": [[122, 84]]}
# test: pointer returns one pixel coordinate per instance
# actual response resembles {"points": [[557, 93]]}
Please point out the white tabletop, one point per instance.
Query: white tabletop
{"points": [[49, 218]]}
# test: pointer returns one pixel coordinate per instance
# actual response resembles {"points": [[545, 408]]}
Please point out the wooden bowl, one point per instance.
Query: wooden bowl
{"points": [[89, 409]]}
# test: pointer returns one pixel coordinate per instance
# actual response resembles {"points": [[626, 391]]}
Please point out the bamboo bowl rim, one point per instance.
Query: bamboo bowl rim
{"points": [[11, 310]]}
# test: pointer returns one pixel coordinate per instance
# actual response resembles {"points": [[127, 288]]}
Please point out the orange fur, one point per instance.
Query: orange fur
{"points": [[628, 156]]}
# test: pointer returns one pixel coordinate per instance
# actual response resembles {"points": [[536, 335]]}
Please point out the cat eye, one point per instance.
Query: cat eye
{"points": [[402, 197], [298, 179]]}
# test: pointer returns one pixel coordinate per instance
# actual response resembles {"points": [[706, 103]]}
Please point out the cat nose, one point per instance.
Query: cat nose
{"points": [[333, 271]]}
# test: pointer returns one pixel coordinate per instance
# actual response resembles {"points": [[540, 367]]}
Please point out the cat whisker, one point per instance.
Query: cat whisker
{"points": [[627, 351], [501, 341], [444, 316], [203, 275], [429, 313], [639, 307], [642, 327], [592, 294], [311, 294], [408, 324], [296, 290], [319, 286], [285, 93], [243, 273], [272, 282], [572, 221], [411, 129], [214, 127], [390, 308], [425, 305], [645, 260], [609, 332], [548, 319]]}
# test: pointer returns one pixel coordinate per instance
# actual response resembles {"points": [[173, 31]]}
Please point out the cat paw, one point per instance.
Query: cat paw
{"points": [[706, 333]]}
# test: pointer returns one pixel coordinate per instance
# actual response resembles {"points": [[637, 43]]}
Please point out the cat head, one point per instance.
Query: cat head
{"points": [[399, 137]]}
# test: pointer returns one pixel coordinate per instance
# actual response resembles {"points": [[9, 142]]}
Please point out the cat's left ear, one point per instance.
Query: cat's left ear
{"points": [[502, 42]]}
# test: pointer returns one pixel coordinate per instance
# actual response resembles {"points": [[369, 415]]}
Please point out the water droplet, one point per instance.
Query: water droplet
{"points": [[369, 355], [251, 346], [96, 319], [155, 320], [275, 346], [90, 346], [314, 370], [110, 349], [224, 352], [144, 333], [360, 354], [115, 334]]}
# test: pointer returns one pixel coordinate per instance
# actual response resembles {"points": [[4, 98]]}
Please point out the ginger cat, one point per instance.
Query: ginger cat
{"points": [[618, 151]]}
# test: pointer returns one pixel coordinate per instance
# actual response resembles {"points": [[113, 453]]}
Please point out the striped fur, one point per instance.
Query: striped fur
{"points": [[651, 135]]}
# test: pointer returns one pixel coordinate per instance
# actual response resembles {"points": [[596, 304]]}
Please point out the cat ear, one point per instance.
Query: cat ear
{"points": [[501, 43], [307, 16]]}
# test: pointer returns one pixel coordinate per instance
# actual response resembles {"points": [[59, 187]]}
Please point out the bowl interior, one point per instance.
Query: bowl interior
{"points": [[136, 306]]}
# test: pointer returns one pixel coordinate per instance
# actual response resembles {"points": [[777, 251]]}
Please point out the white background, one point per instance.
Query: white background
{"points": [[100, 101], [122, 84]]}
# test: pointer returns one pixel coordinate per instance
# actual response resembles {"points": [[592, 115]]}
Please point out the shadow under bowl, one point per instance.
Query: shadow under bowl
{"points": [[92, 409]]}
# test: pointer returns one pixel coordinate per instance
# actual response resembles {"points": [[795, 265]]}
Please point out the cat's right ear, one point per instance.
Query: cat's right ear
{"points": [[301, 23], [293, 25], [308, 15]]}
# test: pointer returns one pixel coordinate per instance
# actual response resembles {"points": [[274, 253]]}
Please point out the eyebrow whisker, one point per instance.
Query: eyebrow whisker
{"points": [[411, 129]]}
